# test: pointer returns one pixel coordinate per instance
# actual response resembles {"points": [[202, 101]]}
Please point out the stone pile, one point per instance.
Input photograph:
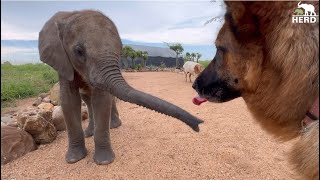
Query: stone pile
{"points": [[22, 131]]}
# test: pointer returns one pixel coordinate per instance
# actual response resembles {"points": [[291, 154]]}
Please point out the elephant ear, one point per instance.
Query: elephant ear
{"points": [[51, 49]]}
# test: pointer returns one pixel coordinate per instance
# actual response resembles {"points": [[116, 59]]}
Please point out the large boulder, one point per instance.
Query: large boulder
{"points": [[58, 119], [15, 143], [55, 94], [38, 124]]}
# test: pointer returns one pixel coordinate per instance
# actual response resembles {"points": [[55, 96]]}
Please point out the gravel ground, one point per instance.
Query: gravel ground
{"points": [[150, 145]]}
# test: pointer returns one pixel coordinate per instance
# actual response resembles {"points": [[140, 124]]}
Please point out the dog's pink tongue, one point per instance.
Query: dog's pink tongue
{"points": [[198, 100]]}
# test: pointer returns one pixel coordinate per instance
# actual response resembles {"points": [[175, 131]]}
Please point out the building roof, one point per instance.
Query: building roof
{"points": [[154, 51]]}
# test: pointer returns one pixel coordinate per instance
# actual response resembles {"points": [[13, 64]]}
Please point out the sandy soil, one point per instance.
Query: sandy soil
{"points": [[149, 145]]}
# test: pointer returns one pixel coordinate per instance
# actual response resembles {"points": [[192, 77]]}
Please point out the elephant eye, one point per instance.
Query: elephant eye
{"points": [[79, 51]]}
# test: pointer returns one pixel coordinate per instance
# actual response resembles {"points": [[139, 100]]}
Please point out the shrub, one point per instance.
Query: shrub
{"points": [[21, 81]]}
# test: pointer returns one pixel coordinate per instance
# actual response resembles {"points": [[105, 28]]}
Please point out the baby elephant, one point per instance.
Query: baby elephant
{"points": [[191, 68], [84, 48]]}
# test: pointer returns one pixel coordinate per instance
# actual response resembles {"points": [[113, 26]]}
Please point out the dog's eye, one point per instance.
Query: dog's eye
{"points": [[221, 49]]}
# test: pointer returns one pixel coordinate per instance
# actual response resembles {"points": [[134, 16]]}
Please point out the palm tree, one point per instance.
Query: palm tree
{"points": [[187, 56], [145, 58], [193, 55], [126, 51], [139, 54], [198, 56], [132, 55], [178, 49]]}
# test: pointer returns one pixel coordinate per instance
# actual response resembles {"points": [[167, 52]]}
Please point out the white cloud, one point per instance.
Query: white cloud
{"points": [[7, 51], [145, 21], [175, 22], [202, 35], [9, 31]]}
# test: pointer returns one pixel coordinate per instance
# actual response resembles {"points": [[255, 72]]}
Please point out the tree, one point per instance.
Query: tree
{"points": [[139, 54], [145, 58], [187, 56], [198, 56], [193, 55], [178, 49], [132, 55], [126, 51]]}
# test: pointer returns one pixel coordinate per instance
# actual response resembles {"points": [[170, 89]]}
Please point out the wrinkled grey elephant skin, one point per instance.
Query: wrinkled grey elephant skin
{"points": [[84, 48]]}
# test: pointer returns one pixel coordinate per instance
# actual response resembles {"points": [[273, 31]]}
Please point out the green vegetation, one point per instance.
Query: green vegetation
{"points": [[21, 81], [204, 63], [192, 56], [129, 52], [177, 47]]}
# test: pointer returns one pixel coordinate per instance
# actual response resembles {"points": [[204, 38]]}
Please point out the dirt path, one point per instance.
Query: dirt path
{"points": [[149, 145]]}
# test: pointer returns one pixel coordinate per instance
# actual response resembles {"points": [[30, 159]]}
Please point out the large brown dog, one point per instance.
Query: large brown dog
{"points": [[272, 63]]}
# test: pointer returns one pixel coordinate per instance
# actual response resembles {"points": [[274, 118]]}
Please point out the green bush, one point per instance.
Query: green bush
{"points": [[138, 67], [204, 63], [162, 65], [21, 81]]}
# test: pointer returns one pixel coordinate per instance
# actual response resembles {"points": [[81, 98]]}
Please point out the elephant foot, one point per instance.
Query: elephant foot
{"points": [[75, 154], [88, 132], [115, 122], [103, 156]]}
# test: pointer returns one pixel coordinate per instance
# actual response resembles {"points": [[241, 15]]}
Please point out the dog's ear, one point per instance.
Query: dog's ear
{"points": [[243, 22]]}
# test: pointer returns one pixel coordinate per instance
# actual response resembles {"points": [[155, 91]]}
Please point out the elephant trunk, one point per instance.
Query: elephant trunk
{"points": [[109, 78]]}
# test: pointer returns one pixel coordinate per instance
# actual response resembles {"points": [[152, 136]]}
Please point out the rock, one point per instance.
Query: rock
{"points": [[55, 93], [9, 121], [37, 102], [22, 118], [15, 143], [41, 130], [54, 107], [84, 113], [58, 119], [46, 106], [43, 95], [46, 100], [46, 114], [55, 103], [38, 124]]}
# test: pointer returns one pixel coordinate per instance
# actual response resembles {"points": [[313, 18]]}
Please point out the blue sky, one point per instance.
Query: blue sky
{"points": [[139, 22]]}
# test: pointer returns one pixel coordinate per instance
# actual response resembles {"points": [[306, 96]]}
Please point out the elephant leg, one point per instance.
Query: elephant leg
{"points": [[115, 120], [190, 77], [102, 105], [71, 107], [88, 132]]}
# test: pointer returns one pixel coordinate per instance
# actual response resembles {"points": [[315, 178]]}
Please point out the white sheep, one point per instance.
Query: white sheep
{"points": [[191, 68]]}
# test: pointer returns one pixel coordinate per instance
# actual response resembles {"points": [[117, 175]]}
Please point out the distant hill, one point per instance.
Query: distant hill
{"points": [[26, 51]]}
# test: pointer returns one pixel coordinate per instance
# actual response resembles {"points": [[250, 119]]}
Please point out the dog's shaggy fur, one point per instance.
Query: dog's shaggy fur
{"points": [[273, 64]]}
